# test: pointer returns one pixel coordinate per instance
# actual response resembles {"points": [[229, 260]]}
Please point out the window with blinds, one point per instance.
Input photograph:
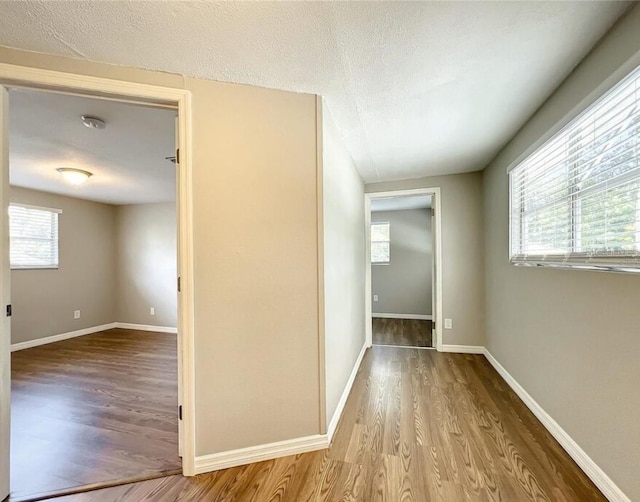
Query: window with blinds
{"points": [[34, 236], [380, 243], [575, 202]]}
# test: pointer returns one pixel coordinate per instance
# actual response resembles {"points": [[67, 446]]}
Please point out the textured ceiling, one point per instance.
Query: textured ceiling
{"points": [[416, 88], [127, 158], [401, 203]]}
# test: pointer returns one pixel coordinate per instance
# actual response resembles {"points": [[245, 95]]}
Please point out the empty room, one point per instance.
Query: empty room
{"points": [[364, 251], [402, 270], [92, 223]]}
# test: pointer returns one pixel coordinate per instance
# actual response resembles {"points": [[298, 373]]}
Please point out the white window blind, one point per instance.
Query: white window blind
{"points": [[380, 242], [34, 236], [575, 202]]}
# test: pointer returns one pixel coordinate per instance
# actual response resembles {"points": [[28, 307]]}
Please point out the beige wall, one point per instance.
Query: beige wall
{"points": [[44, 300], [256, 265], [462, 252], [404, 285], [256, 255], [344, 263], [570, 338], [146, 264]]}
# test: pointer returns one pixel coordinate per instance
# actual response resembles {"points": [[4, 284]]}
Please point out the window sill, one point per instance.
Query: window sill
{"points": [[43, 267], [601, 266]]}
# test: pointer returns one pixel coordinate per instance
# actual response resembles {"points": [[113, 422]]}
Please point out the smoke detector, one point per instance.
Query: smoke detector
{"points": [[93, 122]]}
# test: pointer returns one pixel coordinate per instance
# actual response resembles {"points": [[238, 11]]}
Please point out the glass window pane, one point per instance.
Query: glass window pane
{"points": [[576, 199], [33, 237], [380, 231], [379, 252]]}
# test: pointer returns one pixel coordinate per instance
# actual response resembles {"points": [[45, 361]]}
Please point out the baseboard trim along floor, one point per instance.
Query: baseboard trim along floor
{"points": [[242, 456], [62, 336], [89, 331], [584, 461], [333, 424], [463, 349], [423, 317]]}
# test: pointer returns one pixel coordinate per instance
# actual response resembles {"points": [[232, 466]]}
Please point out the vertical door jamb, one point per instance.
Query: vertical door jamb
{"points": [[5, 299], [179, 316]]}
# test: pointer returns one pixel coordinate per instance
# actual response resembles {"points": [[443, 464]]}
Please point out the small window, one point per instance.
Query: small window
{"points": [[575, 202], [34, 236], [380, 247]]}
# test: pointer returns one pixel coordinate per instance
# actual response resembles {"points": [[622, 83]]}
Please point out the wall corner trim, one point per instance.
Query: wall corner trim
{"points": [[335, 419], [145, 327], [242, 456], [62, 336], [463, 349], [590, 468]]}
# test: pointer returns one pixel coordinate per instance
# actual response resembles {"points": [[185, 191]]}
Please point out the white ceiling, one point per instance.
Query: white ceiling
{"points": [[416, 88], [401, 203], [127, 158]]}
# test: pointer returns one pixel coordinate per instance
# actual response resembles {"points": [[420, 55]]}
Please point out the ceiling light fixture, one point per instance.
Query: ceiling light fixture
{"points": [[74, 176], [93, 122]]}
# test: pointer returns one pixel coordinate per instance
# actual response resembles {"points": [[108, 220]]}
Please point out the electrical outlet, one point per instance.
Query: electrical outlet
{"points": [[76, 314], [375, 298], [448, 324], [152, 311]]}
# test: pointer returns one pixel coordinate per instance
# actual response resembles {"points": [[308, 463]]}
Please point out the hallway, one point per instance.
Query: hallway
{"points": [[419, 425]]}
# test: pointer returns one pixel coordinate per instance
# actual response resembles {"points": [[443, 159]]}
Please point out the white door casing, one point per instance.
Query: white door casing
{"points": [[5, 299], [104, 88], [434, 192], [179, 261]]}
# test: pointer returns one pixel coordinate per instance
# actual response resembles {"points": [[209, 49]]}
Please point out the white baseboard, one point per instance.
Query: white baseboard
{"points": [[403, 316], [146, 327], [590, 468], [333, 424], [89, 331], [410, 347], [463, 349], [62, 336], [234, 458]]}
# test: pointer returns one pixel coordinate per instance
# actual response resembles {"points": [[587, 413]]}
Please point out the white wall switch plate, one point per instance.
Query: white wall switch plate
{"points": [[448, 324], [152, 311], [76, 314], [375, 298]]}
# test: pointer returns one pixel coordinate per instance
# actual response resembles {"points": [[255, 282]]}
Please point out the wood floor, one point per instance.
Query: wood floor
{"points": [[92, 409], [402, 332], [418, 426]]}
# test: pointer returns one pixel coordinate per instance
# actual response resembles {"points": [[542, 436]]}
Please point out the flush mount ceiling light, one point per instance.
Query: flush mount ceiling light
{"points": [[74, 176], [93, 122]]}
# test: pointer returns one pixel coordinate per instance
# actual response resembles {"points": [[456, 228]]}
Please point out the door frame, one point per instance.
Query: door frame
{"points": [[179, 99], [434, 192]]}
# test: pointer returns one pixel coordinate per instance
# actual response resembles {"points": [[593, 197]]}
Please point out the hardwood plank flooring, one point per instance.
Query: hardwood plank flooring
{"points": [[418, 426], [91, 409], [401, 332]]}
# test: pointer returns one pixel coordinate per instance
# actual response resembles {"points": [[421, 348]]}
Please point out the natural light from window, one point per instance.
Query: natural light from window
{"points": [[575, 202], [380, 243], [34, 237]]}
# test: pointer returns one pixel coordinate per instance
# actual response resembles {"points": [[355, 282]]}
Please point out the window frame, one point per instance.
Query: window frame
{"points": [[388, 242], [56, 239], [626, 261]]}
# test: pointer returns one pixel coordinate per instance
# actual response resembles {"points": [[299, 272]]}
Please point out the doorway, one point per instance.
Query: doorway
{"points": [[96, 88], [403, 268], [93, 281]]}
